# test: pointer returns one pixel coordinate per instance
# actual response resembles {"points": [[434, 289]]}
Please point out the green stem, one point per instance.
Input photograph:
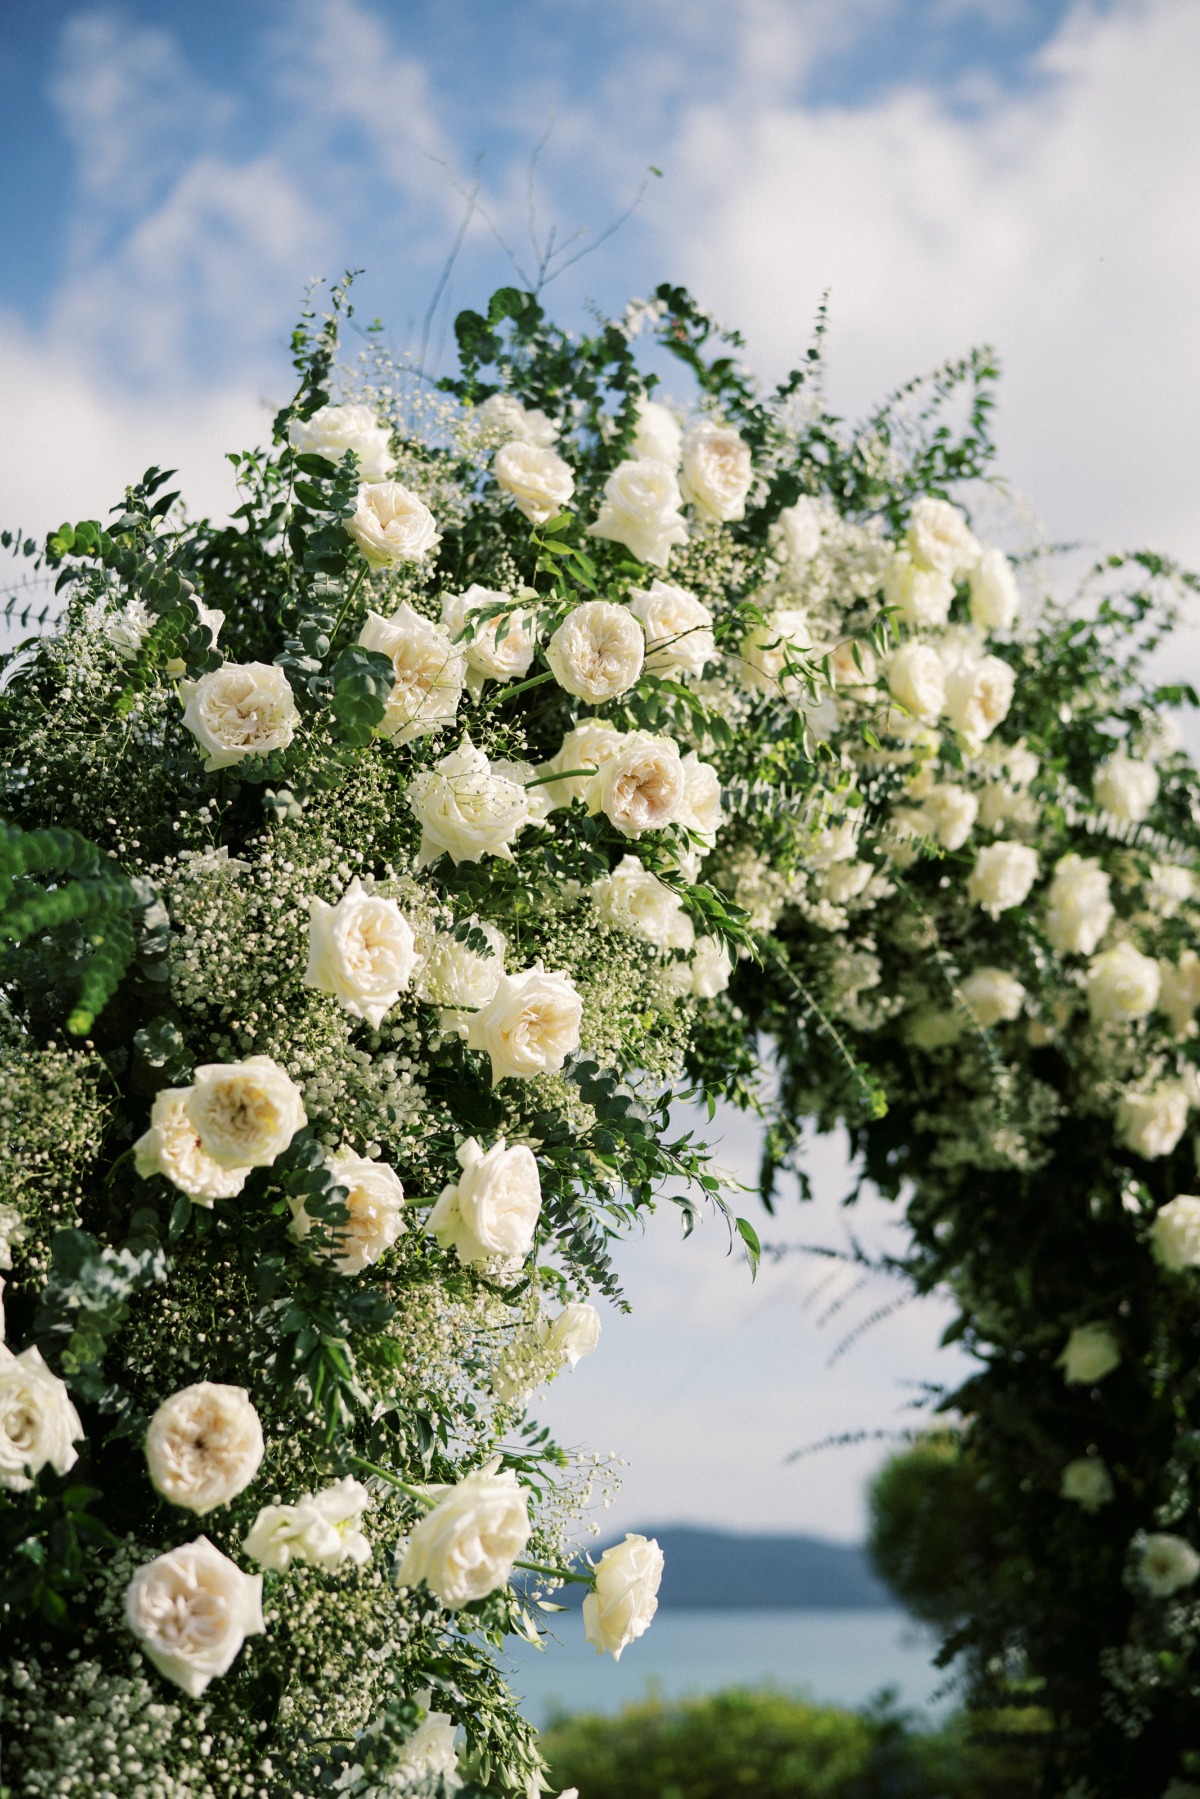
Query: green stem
{"points": [[555, 1573], [566, 775], [392, 1479], [508, 693], [349, 601]]}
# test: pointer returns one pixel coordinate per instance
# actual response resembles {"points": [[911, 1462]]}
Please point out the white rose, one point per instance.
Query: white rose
{"points": [[491, 1211], [979, 693], [701, 810], [1002, 876], [1122, 984], [465, 809], [244, 709], [597, 652], [712, 967], [1179, 992], [362, 951], [1169, 888], [375, 1202], [429, 672], [679, 637], [917, 681], [245, 1113], [642, 786], [428, 1753], [332, 430], [536, 477], [575, 1333], [717, 471], [38, 1423], [128, 628], [658, 435], [544, 1348], [950, 812], [1175, 1233], [466, 1546], [922, 596], [938, 535], [852, 663], [845, 881], [993, 996], [530, 1025], [771, 652], [1078, 909], [504, 420], [460, 979], [1167, 1564], [391, 525], [1091, 1352], [640, 510], [625, 1598], [633, 899], [191, 1610], [487, 652], [592, 742], [1151, 1124], [1126, 789], [995, 596], [802, 526], [172, 1147], [204, 1446], [1088, 1482], [322, 1528]]}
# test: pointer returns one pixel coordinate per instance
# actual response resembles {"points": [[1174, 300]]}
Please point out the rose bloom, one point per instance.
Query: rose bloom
{"points": [[979, 693], [391, 525], [995, 596], [244, 709], [597, 652], [1169, 888], [701, 810], [530, 1025], [430, 1752], [845, 881], [1122, 984], [487, 653], [1002, 877], [429, 672], [717, 471], [917, 681], [1151, 1124], [1124, 788], [491, 1211], [245, 1113], [712, 967], [504, 420], [801, 527], [362, 951], [591, 743], [625, 1596], [1175, 1233], [922, 596], [770, 652], [204, 1446], [38, 1423], [1091, 1352], [466, 1546], [679, 637], [1179, 992], [950, 812], [852, 663], [1078, 909], [332, 430], [191, 1610], [640, 510], [1167, 1564], [938, 536], [536, 478], [1088, 1482], [575, 1333], [658, 435], [465, 809], [993, 996], [459, 979], [323, 1529], [375, 1203], [642, 786], [633, 899], [172, 1147]]}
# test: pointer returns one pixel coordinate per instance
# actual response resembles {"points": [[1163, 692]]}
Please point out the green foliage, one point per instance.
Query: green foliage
{"points": [[930, 1534]]}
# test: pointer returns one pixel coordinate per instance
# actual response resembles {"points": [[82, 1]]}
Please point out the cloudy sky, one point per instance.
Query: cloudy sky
{"points": [[1022, 172]]}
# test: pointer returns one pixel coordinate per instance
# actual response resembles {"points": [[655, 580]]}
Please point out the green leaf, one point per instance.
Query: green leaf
{"points": [[749, 1236]]}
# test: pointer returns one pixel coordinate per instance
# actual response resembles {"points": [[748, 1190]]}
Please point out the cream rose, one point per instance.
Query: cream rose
{"points": [[938, 536], [466, 1546], [917, 681], [1179, 992], [501, 647], [642, 786], [390, 525], [1091, 1352], [679, 636], [583, 750], [503, 419], [1087, 1482], [1126, 789], [362, 951], [490, 1213], [1151, 1124], [535, 477], [244, 709], [1167, 1564], [172, 1147], [716, 472], [979, 693], [530, 1025], [597, 652], [459, 979], [575, 1333], [323, 1529], [993, 996], [921, 596], [191, 1610], [633, 899], [802, 527], [995, 596], [625, 1594], [658, 433], [1122, 985], [701, 810], [640, 510], [332, 430], [712, 967], [1078, 909], [1002, 877], [204, 1446], [375, 1203], [429, 672], [950, 813], [38, 1423], [245, 1113], [1175, 1233], [770, 653], [465, 809], [429, 1752]]}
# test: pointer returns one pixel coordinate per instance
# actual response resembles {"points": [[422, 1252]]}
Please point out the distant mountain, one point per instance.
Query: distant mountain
{"points": [[724, 1568]]}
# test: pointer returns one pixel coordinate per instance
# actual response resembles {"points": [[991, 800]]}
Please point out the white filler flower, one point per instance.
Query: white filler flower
{"points": [[491, 1212], [204, 1446], [679, 635], [625, 1596], [332, 430], [38, 1423], [362, 951], [530, 1025], [191, 1610], [246, 1113], [375, 1203], [640, 510], [172, 1147], [597, 652], [717, 471], [391, 525], [244, 709], [429, 672], [1091, 1352], [1175, 1233], [535, 477], [466, 1546], [465, 809]]}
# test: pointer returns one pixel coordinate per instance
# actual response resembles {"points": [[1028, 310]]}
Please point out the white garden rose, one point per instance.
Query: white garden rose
{"points": [[995, 596], [845, 881], [362, 951], [429, 1754], [1087, 1482], [465, 809], [1122, 984], [716, 471], [1078, 909], [460, 979], [1002, 877], [466, 1546], [1167, 1563], [490, 1213], [633, 899], [640, 510], [801, 527], [172, 1147], [323, 1529], [38, 1423], [1170, 886], [535, 477], [679, 636], [1175, 1233], [504, 420], [938, 536], [1124, 788], [501, 647], [592, 742], [917, 681], [1091, 1352], [244, 709], [773, 654], [191, 1610], [712, 967], [597, 652], [204, 1446], [245, 1113], [1179, 992], [575, 1333], [642, 786], [1151, 1123], [429, 672], [993, 996], [979, 693], [625, 1595], [375, 1202], [391, 524], [333, 430], [658, 435], [701, 810], [530, 1025], [852, 663], [950, 813], [921, 596]]}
